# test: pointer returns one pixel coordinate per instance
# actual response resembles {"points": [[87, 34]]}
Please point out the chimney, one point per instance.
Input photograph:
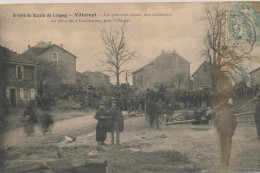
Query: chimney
{"points": [[174, 51], [29, 46], [61, 45], [49, 43], [162, 51]]}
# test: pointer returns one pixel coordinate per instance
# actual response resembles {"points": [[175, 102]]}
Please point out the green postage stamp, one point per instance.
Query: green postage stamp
{"points": [[243, 23]]}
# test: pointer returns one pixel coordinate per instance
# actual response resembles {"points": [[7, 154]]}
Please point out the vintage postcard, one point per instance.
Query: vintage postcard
{"points": [[130, 87]]}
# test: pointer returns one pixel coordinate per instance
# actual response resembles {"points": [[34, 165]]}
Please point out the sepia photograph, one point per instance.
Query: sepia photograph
{"points": [[148, 87]]}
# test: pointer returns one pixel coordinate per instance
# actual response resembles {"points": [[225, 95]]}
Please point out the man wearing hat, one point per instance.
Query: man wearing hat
{"points": [[116, 122], [101, 130]]}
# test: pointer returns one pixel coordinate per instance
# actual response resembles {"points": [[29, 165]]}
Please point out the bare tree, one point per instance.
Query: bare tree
{"points": [[226, 57], [116, 53]]}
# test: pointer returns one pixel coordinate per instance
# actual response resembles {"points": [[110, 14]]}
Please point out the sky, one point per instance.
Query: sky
{"points": [[183, 31]]}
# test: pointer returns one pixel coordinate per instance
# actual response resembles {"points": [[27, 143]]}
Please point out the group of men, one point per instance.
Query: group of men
{"points": [[156, 106], [110, 120]]}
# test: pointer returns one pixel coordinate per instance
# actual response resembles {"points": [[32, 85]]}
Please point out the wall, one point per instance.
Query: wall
{"points": [[66, 62], [202, 77], [26, 84], [168, 69]]}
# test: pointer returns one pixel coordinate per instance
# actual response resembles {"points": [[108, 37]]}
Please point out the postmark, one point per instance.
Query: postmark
{"points": [[243, 23]]}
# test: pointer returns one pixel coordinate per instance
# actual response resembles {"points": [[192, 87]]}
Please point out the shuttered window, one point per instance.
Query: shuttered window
{"points": [[33, 94], [19, 72], [21, 93], [26, 94], [7, 92]]}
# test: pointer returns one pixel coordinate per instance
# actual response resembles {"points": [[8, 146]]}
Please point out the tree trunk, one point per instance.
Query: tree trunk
{"points": [[117, 79], [214, 83]]}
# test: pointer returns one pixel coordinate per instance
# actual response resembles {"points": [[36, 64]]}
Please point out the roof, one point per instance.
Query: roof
{"points": [[36, 51], [150, 63], [14, 58], [254, 70], [200, 67], [33, 52]]}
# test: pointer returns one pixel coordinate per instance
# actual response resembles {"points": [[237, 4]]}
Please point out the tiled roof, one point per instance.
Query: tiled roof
{"points": [[205, 62], [33, 52], [176, 55], [13, 57]]}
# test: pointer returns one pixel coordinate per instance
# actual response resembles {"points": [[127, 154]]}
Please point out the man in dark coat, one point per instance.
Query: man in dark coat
{"points": [[159, 112], [226, 124], [116, 122], [169, 111], [47, 120], [101, 130], [30, 120]]}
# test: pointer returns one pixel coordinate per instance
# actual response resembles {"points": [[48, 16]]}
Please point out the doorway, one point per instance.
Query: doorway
{"points": [[13, 97]]}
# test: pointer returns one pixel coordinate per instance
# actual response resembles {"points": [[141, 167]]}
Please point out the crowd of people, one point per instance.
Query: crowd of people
{"points": [[111, 101]]}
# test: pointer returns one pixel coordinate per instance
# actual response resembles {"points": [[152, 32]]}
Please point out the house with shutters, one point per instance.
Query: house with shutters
{"points": [[64, 61], [20, 83]]}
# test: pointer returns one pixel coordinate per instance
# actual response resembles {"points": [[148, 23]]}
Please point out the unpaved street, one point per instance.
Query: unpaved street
{"points": [[16, 137], [176, 148]]}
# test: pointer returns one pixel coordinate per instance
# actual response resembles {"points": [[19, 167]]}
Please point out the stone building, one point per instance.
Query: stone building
{"points": [[168, 69], [21, 85], [63, 59], [89, 78], [202, 77], [255, 77]]}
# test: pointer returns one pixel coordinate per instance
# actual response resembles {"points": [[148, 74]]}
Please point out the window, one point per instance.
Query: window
{"points": [[7, 92], [55, 56], [21, 93], [19, 72], [26, 94], [28, 73], [33, 94]]}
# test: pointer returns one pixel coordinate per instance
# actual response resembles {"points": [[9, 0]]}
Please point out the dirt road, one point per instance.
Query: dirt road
{"points": [[16, 137], [176, 148]]}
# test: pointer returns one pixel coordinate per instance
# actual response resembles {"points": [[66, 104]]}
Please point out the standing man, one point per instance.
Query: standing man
{"points": [[47, 120], [116, 122], [169, 111], [101, 130], [159, 112], [226, 124], [30, 119]]}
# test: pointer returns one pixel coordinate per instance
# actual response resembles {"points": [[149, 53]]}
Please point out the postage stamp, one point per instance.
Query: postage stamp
{"points": [[243, 23]]}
